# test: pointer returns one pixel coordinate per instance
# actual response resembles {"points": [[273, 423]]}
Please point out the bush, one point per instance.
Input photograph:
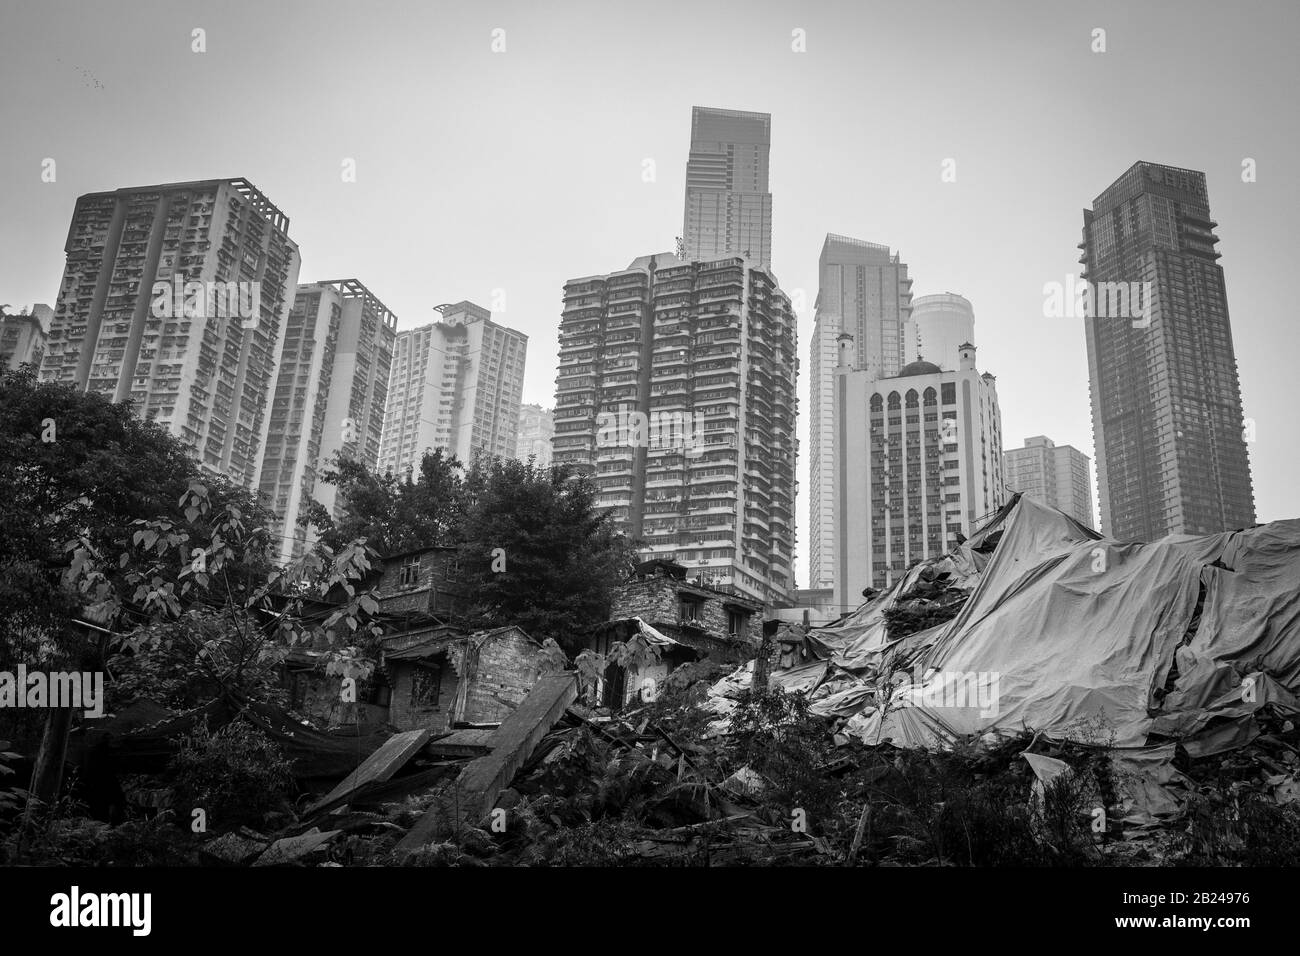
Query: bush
{"points": [[236, 775], [1227, 828], [774, 735]]}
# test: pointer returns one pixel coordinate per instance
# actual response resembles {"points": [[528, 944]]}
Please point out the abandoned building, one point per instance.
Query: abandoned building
{"points": [[717, 624], [431, 671], [681, 619], [447, 677]]}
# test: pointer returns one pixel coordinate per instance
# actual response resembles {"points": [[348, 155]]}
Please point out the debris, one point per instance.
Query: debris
{"points": [[236, 848], [292, 849], [377, 768], [478, 785]]}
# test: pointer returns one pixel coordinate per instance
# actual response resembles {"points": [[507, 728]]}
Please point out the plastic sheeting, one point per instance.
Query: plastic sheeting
{"points": [[1077, 634]]}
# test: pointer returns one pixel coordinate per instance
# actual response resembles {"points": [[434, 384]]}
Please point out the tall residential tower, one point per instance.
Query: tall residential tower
{"points": [[175, 297], [456, 385], [330, 396], [676, 389], [1166, 401]]}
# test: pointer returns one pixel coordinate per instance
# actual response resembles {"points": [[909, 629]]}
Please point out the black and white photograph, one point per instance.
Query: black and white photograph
{"points": [[682, 439]]}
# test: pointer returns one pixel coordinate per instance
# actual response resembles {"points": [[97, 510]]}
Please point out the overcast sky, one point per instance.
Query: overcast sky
{"points": [[479, 171]]}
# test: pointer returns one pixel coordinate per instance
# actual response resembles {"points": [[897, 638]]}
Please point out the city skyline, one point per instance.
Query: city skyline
{"points": [[593, 213]]}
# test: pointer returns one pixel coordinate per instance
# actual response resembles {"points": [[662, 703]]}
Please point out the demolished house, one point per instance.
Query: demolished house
{"points": [[1054, 629], [446, 677], [677, 621]]}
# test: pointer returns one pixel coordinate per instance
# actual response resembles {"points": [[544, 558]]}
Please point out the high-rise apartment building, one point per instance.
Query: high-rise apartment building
{"points": [[175, 297], [536, 429], [456, 385], [22, 337], [1056, 475], [941, 324], [330, 396], [918, 458], [1166, 401], [676, 389], [863, 291], [728, 206]]}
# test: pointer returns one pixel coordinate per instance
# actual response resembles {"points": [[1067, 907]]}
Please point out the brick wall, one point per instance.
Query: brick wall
{"points": [[507, 668], [406, 714]]}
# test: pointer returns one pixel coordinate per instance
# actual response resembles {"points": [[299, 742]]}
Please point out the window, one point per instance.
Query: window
{"points": [[688, 610], [409, 576], [425, 680], [737, 623]]}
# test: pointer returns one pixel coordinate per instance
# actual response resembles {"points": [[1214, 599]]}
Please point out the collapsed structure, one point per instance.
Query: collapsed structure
{"points": [[1145, 648]]}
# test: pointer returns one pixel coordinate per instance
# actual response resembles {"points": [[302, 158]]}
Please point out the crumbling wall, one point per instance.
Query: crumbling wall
{"points": [[657, 601], [507, 666]]}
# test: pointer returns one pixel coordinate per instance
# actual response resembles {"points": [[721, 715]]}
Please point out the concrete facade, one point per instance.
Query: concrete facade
{"points": [[919, 462]]}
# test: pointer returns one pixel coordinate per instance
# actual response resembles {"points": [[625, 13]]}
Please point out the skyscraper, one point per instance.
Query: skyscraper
{"points": [[863, 291], [536, 429], [1166, 401], [919, 461], [330, 396], [456, 385], [1056, 475], [728, 206], [175, 297], [676, 389]]}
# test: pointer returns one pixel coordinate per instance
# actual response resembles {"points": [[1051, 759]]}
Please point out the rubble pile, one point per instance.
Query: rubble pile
{"points": [[1041, 695]]}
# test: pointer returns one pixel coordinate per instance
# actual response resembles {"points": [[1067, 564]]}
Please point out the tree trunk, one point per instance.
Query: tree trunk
{"points": [[47, 774]]}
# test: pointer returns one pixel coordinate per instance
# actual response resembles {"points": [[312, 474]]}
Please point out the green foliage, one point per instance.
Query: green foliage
{"points": [[1237, 827], [394, 513], [561, 552], [235, 774], [774, 735], [73, 467], [72, 839]]}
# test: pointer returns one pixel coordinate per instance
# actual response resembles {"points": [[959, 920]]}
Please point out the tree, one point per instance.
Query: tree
{"points": [[541, 553], [393, 514], [73, 467]]}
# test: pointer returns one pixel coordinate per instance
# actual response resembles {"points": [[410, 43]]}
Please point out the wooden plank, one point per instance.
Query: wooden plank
{"points": [[480, 783], [378, 767]]}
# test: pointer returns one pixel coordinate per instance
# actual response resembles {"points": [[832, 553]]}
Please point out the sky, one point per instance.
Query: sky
{"points": [[496, 176]]}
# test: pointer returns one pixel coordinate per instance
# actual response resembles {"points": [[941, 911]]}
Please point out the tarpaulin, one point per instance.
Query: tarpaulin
{"points": [[1077, 634]]}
